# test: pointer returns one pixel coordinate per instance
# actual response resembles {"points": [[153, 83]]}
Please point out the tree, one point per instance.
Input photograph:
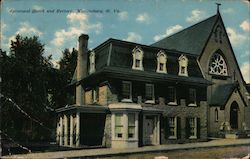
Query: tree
{"points": [[25, 81]]}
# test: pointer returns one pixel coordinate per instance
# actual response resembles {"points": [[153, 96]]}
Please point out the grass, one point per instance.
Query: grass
{"points": [[201, 153]]}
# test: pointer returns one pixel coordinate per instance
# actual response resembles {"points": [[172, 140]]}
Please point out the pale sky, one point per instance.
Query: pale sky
{"points": [[58, 23]]}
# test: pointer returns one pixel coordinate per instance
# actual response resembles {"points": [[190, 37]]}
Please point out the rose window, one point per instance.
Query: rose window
{"points": [[218, 65]]}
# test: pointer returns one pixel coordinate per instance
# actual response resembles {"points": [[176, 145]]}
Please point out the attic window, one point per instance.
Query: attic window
{"points": [[161, 62], [92, 62], [137, 58], [183, 64], [217, 65]]}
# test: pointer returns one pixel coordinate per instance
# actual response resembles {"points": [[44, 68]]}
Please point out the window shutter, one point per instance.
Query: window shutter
{"points": [[166, 127], [97, 93], [178, 128], [187, 128], [119, 91], [198, 128]]}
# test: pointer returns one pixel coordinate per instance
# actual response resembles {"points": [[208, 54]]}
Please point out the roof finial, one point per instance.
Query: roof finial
{"points": [[218, 7]]}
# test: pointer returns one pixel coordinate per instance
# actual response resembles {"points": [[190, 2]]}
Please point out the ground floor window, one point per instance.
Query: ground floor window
{"points": [[192, 125], [118, 125], [172, 121], [131, 125]]}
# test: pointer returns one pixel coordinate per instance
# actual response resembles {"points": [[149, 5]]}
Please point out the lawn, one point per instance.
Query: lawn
{"points": [[201, 153]]}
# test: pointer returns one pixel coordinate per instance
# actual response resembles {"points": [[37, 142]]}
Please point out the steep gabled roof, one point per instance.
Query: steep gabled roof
{"points": [[222, 93], [192, 39]]}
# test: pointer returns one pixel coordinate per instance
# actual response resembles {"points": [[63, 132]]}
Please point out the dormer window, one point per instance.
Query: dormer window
{"points": [[92, 62], [137, 58], [161, 62], [183, 64], [217, 65]]}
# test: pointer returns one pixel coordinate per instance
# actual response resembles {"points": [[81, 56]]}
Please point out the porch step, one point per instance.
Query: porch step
{"points": [[236, 135]]}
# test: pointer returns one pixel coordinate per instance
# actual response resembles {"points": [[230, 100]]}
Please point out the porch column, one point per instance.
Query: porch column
{"points": [[65, 130], [61, 131], [71, 130], [77, 129]]}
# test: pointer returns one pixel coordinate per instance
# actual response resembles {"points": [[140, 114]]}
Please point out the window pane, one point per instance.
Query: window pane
{"points": [[126, 90], [131, 125], [131, 119], [118, 119], [149, 91], [161, 66], [171, 94], [192, 95], [137, 63]]}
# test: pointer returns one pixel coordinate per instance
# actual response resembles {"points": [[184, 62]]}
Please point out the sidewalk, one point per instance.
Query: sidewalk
{"points": [[117, 152]]}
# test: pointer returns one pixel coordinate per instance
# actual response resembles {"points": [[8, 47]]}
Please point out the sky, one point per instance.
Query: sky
{"points": [[58, 23]]}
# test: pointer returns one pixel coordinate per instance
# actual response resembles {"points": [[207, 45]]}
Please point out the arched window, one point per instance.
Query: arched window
{"points": [[216, 115], [217, 65], [183, 64], [137, 58], [92, 62], [161, 62]]}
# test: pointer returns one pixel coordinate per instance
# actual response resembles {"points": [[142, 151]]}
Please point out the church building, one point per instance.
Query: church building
{"points": [[183, 88]]}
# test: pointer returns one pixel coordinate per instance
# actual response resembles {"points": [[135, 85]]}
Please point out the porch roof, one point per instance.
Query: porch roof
{"points": [[83, 108]]}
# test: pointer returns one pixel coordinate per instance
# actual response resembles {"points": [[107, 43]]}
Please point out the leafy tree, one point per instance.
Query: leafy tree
{"points": [[25, 81]]}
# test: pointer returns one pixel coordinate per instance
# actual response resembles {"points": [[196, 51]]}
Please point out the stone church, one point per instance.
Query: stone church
{"points": [[183, 88]]}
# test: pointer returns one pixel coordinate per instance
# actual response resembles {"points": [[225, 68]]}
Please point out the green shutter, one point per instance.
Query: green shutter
{"points": [[166, 127], [198, 128], [187, 128], [178, 128]]}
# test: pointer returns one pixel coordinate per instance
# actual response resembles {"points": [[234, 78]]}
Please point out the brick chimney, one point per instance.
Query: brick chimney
{"points": [[81, 67]]}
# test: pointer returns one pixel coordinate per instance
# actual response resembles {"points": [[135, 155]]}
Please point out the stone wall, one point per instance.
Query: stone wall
{"points": [[183, 111]]}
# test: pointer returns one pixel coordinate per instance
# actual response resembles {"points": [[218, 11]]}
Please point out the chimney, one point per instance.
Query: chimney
{"points": [[81, 67]]}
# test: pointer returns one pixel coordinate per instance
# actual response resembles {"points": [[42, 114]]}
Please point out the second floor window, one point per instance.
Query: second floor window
{"points": [[149, 92], [171, 95], [137, 58], [192, 96], [126, 91]]}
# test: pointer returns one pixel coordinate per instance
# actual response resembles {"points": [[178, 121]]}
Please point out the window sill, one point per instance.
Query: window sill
{"points": [[172, 137], [193, 137], [138, 68], [192, 105], [162, 72], [126, 100], [172, 103], [150, 102]]}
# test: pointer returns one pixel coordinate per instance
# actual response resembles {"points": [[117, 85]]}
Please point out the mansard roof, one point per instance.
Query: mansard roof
{"points": [[192, 39], [116, 55]]}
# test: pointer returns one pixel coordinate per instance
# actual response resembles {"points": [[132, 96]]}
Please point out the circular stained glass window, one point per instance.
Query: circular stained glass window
{"points": [[217, 65]]}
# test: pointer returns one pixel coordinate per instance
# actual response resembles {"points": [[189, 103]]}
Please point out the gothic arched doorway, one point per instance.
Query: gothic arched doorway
{"points": [[234, 110]]}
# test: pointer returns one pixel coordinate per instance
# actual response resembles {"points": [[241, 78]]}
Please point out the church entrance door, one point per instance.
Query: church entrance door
{"points": [[234, 111]]}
